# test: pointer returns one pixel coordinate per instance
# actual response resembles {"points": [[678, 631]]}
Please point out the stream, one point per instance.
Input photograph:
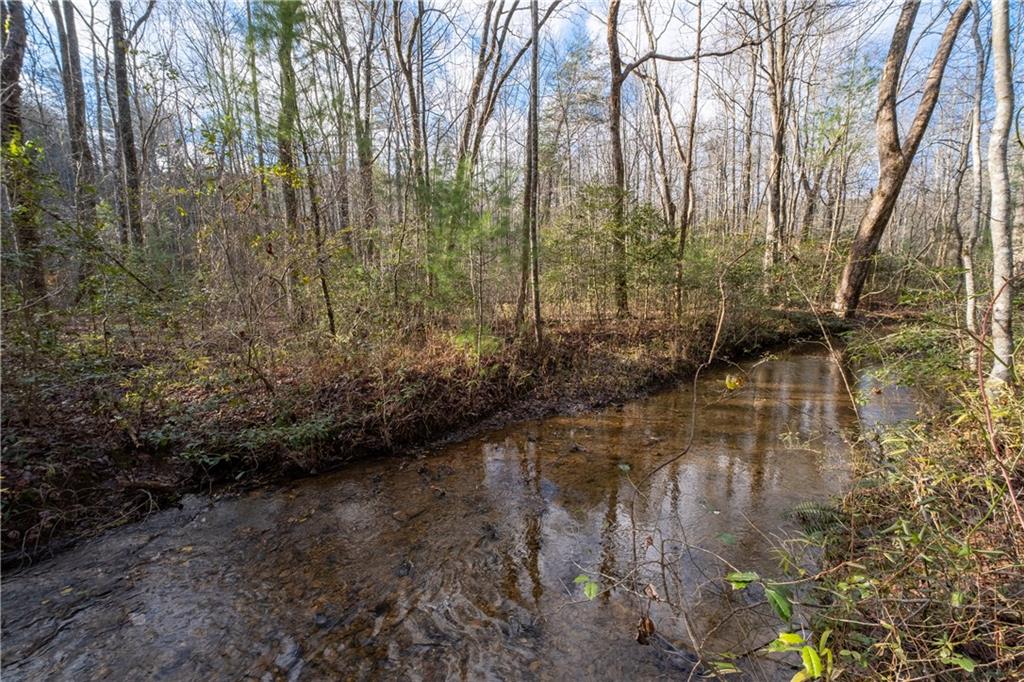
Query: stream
{"points": [[461, 563]]}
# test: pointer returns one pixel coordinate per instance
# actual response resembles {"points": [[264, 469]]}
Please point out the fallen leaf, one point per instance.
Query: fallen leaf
{"points": [[644, 630]]}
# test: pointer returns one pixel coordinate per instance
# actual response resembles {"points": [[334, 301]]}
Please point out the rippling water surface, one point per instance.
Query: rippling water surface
{"points": [[461, 564]]}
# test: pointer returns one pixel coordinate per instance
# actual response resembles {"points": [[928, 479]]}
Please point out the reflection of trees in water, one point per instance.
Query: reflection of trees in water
{"points": [[608, 543], [534, 529], [741, 471], [739, 444], [514, 479]]}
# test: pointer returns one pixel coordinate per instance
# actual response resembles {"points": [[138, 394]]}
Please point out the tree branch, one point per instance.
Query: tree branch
{"points": [[687, 58], [141, 20]]}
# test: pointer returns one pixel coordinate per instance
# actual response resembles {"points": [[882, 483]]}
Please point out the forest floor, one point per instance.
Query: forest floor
{"points": [[93, 440]]}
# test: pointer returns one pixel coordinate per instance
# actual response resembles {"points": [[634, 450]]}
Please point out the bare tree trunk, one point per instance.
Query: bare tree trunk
{"points": [[254, 93], [952, 225], [403, 51], [894, 158], [364, 141], [469, 151], [131, 197], [488, 40], [534, 136], [686, 199], [668, 204], [618, 163], [526, 239], [103, 167], [748, 140], [81, 153], [74, 99], [19, 160], [287, 117], [652, 90], [422, 122], [777, 81], [970, 239], [1001, 223], [360, 81], [813, 193], [342, 130], [286, 23], [318, 236]]}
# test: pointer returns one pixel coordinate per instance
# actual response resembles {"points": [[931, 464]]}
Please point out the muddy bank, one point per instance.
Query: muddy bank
{"points": [[72, 477]]}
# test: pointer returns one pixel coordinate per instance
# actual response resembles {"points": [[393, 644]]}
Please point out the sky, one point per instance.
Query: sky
{"points": [[866, 26]]}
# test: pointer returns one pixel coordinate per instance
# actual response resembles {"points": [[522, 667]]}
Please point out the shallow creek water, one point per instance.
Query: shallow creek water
{"points": [[460, 563]]}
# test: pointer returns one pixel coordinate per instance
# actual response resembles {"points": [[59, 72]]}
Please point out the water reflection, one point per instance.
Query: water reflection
{"points": [[461, 564]]}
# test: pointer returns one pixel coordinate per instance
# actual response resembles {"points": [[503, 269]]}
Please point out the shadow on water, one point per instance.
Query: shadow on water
{"points": [[461, 564]]}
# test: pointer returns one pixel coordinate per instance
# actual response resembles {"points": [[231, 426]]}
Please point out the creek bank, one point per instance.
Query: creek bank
{"points": [[921, 561], [60, 487]]}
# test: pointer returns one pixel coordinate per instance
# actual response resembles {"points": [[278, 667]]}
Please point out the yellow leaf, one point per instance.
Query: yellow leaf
{"points": [[790, 638]]}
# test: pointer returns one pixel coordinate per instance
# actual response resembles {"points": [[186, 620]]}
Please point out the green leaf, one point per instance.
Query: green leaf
{"points": [[724, 668], [962, 661], [727, 538], [791, 638], [590, 586], [624, 467], [780, 603], [740, 579], [812, 662]]}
